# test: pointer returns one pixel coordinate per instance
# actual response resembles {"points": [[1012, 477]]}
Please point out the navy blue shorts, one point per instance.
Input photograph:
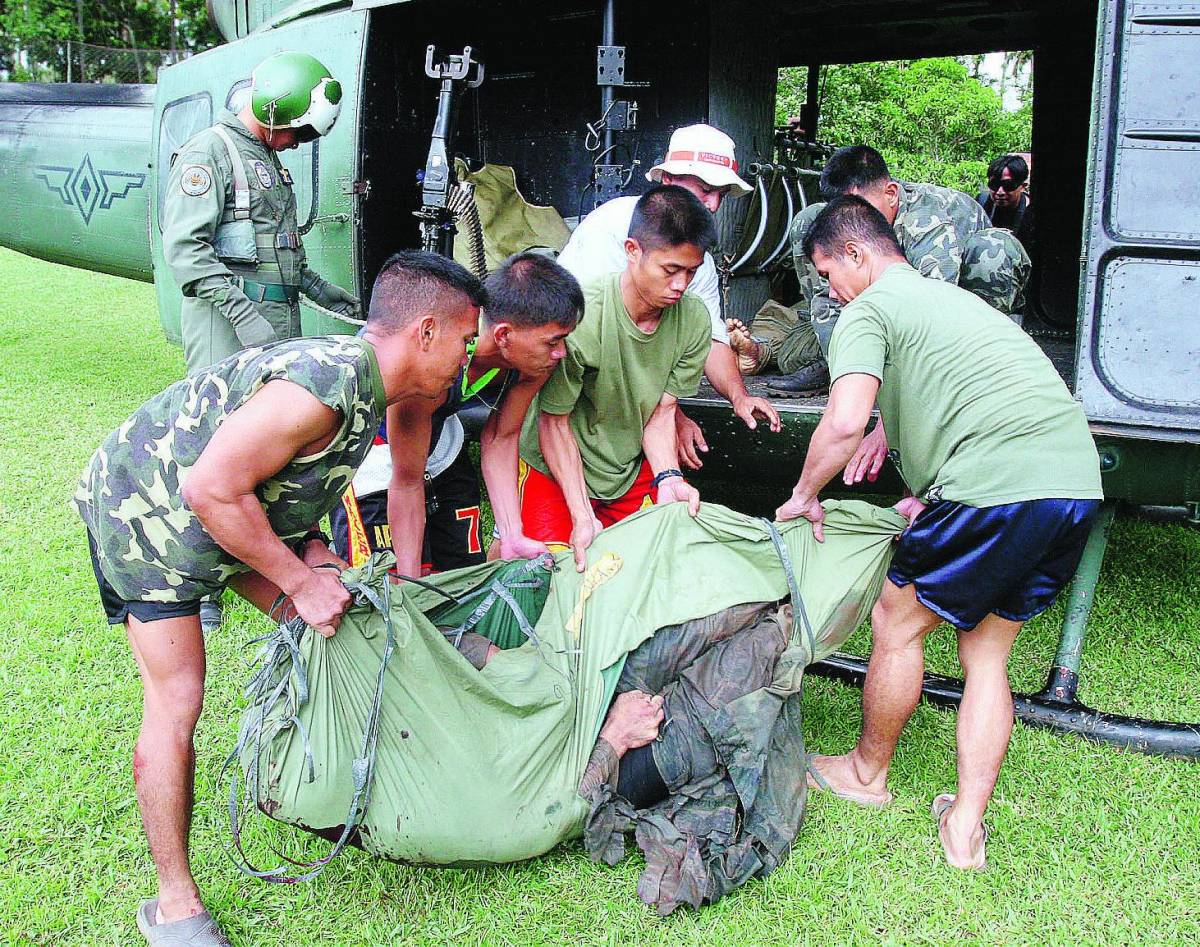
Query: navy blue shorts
{"points": [[967, 562]]}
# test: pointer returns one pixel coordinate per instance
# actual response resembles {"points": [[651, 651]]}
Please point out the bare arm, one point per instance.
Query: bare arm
{"points": [[276, 424], [632, 721], [498, 458], [721, 369], [566, 466], [409, 428], [659, 446], [833, 444]]}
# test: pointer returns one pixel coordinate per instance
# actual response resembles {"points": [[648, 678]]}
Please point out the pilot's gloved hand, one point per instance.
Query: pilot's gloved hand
{"points": [[249, 325], [329, 295]]}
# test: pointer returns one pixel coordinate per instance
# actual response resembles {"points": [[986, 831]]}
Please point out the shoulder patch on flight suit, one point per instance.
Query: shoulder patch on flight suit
{"points": [[264, 174], [196, 180]]}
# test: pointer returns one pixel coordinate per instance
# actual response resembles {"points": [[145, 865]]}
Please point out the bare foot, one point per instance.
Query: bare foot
{"points": [[750, 354], [839, 775], [965, 846], [178, 909]]}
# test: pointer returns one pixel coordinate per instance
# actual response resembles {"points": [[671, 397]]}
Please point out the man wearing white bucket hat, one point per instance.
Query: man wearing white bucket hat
{"points": [[701, 159]]}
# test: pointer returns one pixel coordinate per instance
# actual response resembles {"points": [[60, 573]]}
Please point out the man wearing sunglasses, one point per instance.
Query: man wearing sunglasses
{"points": [[230, 235], [1006, 198], [532, 305]]}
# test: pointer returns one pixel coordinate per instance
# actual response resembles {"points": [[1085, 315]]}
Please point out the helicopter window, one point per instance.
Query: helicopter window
{"points": [[181, 119]]}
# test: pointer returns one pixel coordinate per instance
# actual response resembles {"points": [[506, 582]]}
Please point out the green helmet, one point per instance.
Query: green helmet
{"points": [[293, 90]]}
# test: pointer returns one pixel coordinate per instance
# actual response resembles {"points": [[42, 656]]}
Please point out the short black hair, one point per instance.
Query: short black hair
{"points": [[416, 283], [854, 168], [530, 289], [850, 218], [1017, 167], [669, 215]]}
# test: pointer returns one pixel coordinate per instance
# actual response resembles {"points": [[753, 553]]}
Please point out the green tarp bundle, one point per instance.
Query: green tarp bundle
{"points": [[470, 766], [510, 223]]}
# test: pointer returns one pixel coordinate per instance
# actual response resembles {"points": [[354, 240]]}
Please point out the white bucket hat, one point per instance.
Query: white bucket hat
{"points": [[705, 152]]}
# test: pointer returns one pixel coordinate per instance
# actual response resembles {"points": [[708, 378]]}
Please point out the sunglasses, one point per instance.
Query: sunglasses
{"points": [[1010, 185]]}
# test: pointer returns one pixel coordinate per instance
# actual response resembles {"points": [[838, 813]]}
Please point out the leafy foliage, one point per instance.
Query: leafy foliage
{"points": [[32, 31], [930, 118]]}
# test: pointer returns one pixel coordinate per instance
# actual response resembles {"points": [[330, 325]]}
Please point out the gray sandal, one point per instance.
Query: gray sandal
{"points": [[198, 931]]}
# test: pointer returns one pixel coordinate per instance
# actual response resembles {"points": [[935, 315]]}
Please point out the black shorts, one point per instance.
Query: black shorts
{"points": [[118, 609], [452, 529], [1012, 560]]}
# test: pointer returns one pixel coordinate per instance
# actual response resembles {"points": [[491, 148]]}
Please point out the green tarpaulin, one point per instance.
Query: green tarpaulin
{"points": [[483, 766], [510, 223]]}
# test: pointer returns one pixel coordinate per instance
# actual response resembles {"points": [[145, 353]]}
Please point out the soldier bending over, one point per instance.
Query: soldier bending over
{"points": [[942, 232], [219, 480], [990, 438]]}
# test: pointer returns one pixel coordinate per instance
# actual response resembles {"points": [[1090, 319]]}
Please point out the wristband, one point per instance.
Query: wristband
{"points": [[665, 475]]}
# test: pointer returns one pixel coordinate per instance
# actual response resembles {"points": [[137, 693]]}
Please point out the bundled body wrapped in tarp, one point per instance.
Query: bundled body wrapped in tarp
{"points": [[387, 735]]}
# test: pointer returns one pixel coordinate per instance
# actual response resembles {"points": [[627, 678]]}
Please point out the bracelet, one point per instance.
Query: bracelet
{"points": [[665, 475]]}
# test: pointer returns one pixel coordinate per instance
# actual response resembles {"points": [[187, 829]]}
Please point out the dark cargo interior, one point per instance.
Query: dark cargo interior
{"points": [[540, 91]]}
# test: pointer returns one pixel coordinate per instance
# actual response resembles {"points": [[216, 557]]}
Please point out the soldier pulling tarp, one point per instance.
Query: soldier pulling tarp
{"points": [[387, 736]]}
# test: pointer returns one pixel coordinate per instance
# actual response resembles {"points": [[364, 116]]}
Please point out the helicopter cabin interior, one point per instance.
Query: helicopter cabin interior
{"points": [[714, 62]]}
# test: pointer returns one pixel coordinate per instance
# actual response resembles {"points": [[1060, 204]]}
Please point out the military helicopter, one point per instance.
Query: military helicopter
{"points": [[581, 95]]}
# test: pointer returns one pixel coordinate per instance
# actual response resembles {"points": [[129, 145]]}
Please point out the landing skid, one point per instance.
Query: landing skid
{"points": [[1057, 705]]}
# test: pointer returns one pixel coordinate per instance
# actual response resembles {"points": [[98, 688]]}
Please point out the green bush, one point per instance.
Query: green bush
{"points": [[930, 118]]}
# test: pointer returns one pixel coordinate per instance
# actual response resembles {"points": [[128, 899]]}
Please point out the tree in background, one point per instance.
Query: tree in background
{"points": [[932, 120], [34, 34]]}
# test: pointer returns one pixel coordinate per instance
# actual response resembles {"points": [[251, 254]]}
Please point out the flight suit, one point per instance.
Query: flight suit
{"points": [[944, 234], [231, 241]]}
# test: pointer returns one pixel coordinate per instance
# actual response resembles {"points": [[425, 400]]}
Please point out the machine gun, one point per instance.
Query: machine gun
{"points": [[438, 211]]}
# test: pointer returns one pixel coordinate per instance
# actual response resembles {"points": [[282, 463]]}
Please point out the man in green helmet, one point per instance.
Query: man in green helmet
{"points": [[229, 222]]}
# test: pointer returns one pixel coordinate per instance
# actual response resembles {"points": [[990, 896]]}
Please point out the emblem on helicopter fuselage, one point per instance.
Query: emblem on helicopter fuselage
{"points": [[87, 188]]}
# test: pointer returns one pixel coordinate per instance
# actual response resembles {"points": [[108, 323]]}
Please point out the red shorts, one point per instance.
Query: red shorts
{"points": [[544, 512]]}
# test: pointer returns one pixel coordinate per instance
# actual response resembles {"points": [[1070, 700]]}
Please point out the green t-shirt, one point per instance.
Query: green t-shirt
{"points": [[612, 379], [150, 545], [972, 407]]}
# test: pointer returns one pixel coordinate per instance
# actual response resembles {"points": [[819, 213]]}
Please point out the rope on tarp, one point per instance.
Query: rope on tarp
{"points": [[798, 609], [499, 589], [281, 664]]}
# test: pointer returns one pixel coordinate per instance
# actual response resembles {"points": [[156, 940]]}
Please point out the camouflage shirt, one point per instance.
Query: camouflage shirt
{"points": [[151, 546], [933, 224]]}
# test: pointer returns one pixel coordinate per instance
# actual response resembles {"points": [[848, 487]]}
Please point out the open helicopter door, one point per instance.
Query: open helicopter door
{"points": [[1139, 346], [195, 93]]}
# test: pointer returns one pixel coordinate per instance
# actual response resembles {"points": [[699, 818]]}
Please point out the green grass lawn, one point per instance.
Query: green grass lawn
{"points": [[1090, 844]]}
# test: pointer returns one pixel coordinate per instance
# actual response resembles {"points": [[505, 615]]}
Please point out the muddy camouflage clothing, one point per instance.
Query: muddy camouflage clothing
{"points": [[476, 766], [151, 546], [729, 751], [945, 235]]}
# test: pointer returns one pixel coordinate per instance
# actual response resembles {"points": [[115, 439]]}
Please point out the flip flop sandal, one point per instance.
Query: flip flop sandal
{"points": [[198, 931], [941, 805], [817, 781]]}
